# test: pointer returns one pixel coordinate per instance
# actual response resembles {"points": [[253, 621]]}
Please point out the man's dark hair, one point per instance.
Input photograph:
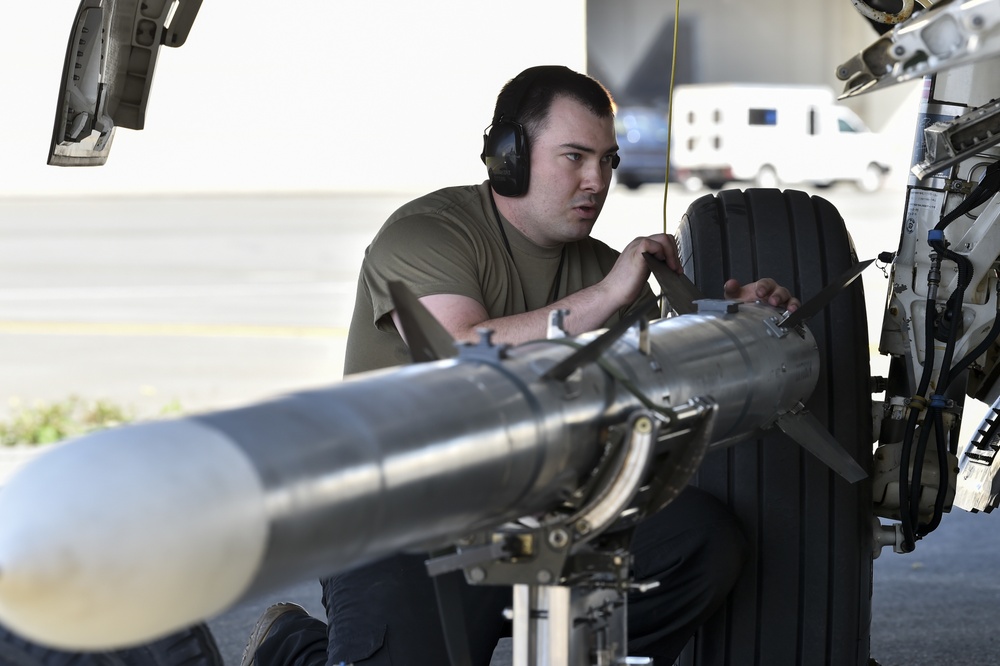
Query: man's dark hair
{"points": [[527, 97]]}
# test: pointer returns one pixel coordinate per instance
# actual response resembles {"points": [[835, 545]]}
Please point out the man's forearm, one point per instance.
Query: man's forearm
{"points": [[588, 310]]}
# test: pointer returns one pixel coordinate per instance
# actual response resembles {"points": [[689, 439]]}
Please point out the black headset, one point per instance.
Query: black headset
{"points": [[505, 143]]}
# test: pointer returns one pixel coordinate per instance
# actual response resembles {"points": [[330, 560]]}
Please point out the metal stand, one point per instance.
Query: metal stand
{"points": [[571, 573], [555, 624]]}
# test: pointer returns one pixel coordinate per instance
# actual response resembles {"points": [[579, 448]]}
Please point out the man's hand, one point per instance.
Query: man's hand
{"points": [[627, 277], [765, 289]]}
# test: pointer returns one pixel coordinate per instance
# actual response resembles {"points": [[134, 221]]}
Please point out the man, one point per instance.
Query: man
{"points": [[502, 255]]}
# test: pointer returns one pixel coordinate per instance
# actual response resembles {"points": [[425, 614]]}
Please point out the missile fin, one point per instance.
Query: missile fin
{"points": [[427, 339], [823, 298], [593, 350], [678, 290], [811, 435]]}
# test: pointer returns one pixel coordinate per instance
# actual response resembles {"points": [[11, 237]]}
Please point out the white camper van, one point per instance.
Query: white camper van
{"points": [[771, 135]]}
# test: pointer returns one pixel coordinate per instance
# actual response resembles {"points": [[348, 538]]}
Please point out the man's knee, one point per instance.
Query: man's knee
{"points": [[724, 548], [696, 537]]}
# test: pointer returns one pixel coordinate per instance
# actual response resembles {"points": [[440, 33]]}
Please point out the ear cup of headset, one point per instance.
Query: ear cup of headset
{"points": [[505, 153]]}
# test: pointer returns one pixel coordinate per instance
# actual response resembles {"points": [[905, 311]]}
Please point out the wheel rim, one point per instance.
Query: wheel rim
{"points": [[872, 179], [767, 177]]}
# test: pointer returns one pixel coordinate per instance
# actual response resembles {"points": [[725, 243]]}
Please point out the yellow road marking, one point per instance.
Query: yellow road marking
{"points": [[174, 330]]}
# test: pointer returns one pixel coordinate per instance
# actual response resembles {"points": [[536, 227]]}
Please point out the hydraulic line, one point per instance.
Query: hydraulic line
{"points": [[981, 348], [943, 473], [910, 488], [954, 307], [917, 405]]}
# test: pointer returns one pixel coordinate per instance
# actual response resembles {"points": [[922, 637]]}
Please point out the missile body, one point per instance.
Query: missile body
{"points": [[125, 535]]}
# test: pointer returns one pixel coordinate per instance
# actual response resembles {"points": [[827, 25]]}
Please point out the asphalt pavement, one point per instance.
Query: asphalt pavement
{"points": [[214, 301], [940, 604], [936, 606]]}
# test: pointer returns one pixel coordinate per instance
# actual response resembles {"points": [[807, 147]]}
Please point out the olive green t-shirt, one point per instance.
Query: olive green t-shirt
{"points": [[450, 242]]}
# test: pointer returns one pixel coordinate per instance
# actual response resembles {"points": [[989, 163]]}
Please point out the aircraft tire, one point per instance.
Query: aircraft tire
{"points": [[194, 646], [805, 595]]}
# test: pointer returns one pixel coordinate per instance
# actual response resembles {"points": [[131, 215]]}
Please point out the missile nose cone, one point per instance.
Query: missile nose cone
{"points": [[183, 501]]}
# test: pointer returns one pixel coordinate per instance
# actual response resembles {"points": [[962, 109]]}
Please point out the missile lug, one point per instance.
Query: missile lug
{"points": [[557, 324], [593, 350], [714, 305], [644, 345], [774, 327], [484, 349]]}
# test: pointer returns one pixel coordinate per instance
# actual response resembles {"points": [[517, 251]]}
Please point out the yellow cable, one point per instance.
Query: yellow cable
{"points": [[670, 108]]}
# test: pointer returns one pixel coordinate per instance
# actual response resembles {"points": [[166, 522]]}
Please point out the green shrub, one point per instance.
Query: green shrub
{"points": [[45, 423]]}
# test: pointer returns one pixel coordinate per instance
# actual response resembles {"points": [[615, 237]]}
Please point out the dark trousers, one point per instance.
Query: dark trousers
{"points": [[386, 613]]}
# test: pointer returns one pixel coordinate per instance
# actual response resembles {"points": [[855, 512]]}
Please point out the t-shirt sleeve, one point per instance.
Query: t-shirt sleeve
{"points": [[428, 254]]}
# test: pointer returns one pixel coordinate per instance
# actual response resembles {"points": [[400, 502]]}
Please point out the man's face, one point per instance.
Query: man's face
{"points": [[570, 175]]}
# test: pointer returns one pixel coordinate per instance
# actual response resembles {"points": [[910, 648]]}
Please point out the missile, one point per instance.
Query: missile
{"points": [[125, 535]]}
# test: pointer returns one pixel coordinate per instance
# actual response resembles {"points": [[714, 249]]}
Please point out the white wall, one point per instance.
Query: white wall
{"points": [[345, 96], [319, 95]]}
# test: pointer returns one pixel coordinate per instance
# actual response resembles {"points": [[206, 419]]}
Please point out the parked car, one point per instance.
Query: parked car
{"points": [[642, 144]]}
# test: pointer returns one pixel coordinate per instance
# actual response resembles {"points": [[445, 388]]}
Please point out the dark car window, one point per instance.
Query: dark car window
{"points": [[649, 126], [642, 145]]}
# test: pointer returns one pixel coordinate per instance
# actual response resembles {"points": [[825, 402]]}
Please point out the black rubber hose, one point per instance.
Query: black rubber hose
{"points": [[934, 415], [907, 522], [988, 185], [918, 470], [942, 472], [978, 351], [965, 275]]}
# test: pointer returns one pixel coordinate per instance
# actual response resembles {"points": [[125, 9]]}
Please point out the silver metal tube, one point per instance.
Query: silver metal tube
{"points": [[138, 531]]}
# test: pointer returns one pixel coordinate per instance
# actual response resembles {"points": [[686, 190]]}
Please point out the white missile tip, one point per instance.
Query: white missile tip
{"points": [[173, 536]]}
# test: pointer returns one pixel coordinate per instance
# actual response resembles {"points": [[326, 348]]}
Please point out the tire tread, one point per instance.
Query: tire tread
{"points": [[805, 597]]}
